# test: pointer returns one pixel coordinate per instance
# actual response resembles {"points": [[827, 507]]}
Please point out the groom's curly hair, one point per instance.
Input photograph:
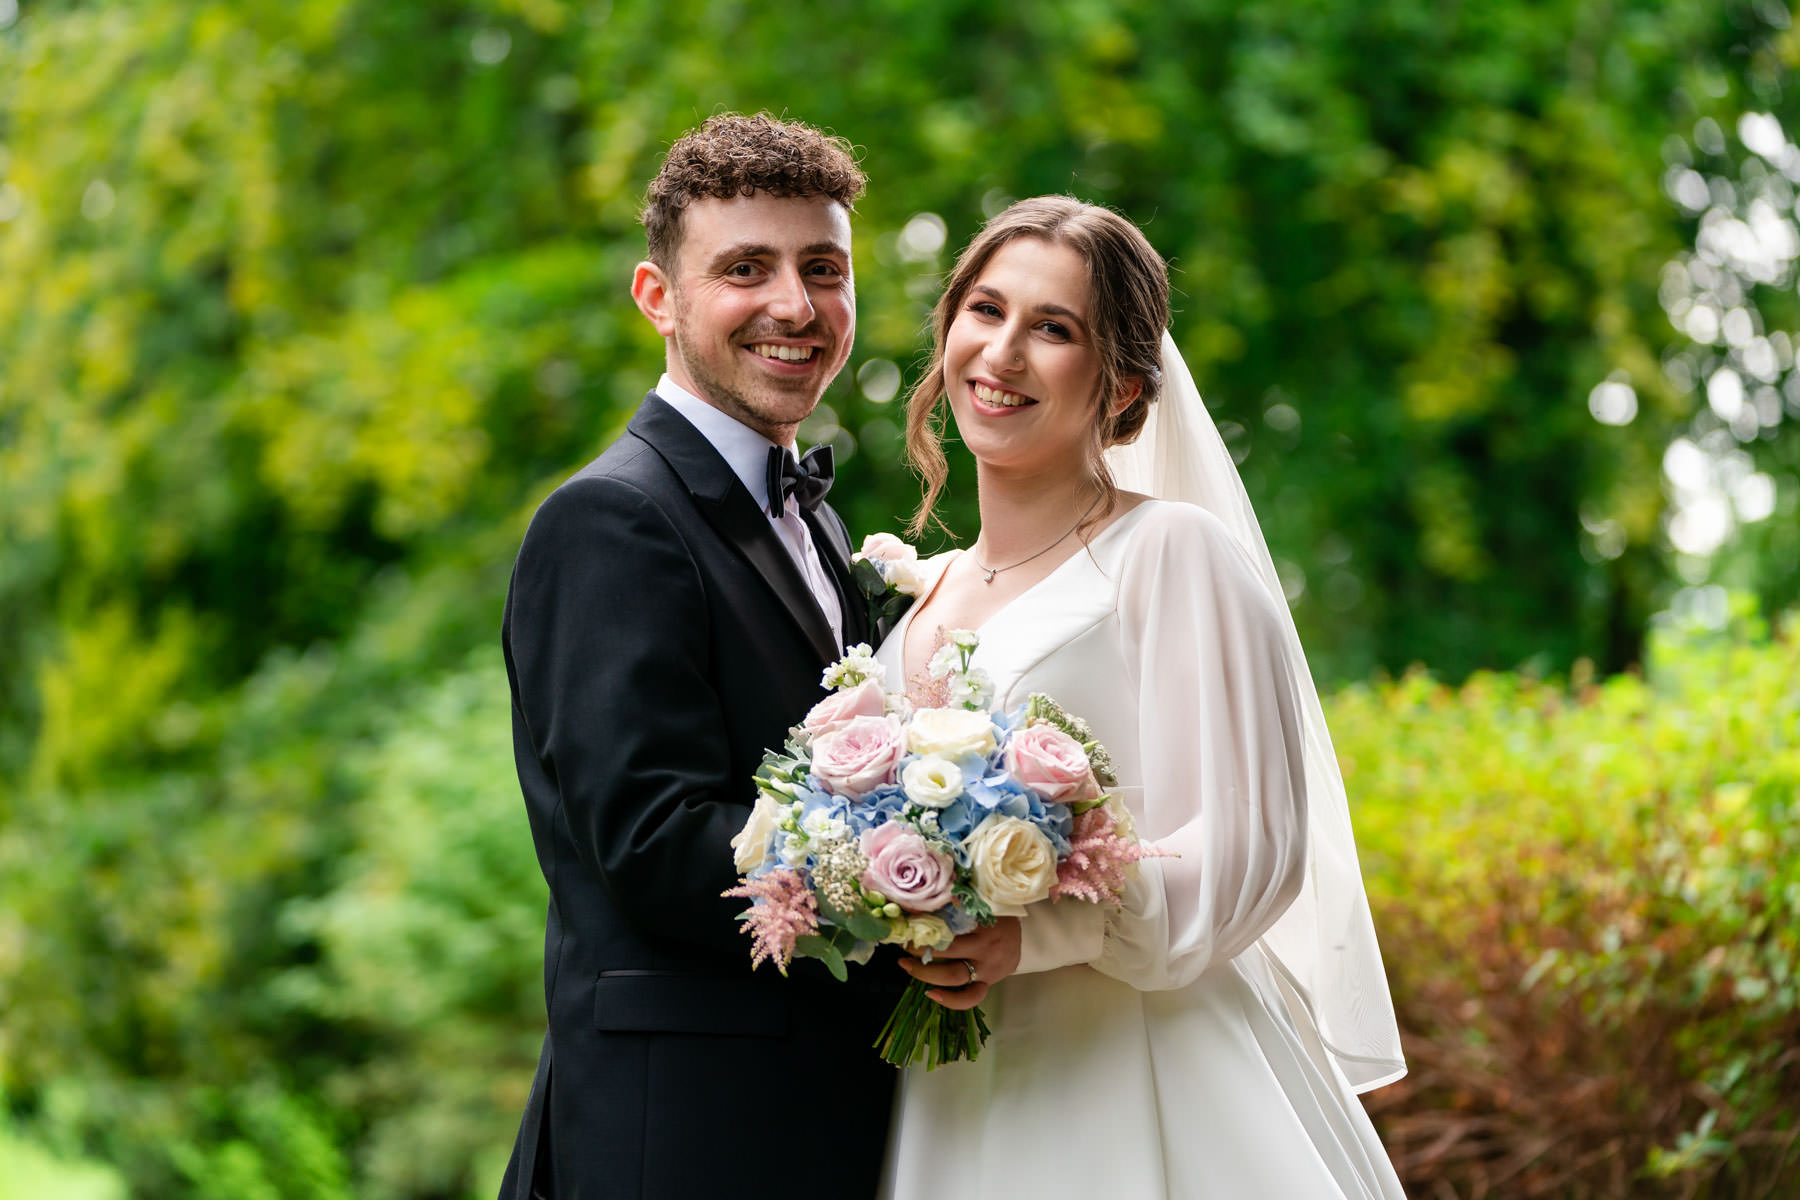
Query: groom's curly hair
{"points": [[736, 155]]}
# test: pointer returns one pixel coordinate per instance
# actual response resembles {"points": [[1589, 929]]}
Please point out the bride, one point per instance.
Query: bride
{"points": [[1209, 1038]]}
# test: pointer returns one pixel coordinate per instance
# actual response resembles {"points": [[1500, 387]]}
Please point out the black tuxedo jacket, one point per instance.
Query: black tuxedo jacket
{"points": [[659, 638]]}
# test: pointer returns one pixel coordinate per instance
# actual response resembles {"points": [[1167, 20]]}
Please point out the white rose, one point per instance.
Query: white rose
{"points": [[950, 732], [751, 845], [904, 577], [1013, 863], [933, 781], [886, 548]]}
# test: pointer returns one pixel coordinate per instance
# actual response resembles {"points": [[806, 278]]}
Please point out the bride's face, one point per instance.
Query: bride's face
{"points": [[1019, 360]]}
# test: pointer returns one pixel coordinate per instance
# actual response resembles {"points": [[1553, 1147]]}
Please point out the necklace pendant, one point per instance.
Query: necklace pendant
{"points": [[990, 577]]}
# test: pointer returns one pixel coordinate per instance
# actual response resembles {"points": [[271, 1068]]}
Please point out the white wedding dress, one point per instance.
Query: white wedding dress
{"points": [[1162, 1050]]}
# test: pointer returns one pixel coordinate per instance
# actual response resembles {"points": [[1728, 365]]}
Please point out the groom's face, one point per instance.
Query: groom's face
{"points": [[759, 306]]}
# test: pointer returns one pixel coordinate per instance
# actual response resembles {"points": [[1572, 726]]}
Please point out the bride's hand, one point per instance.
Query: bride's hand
{"points": [[962, 974]]}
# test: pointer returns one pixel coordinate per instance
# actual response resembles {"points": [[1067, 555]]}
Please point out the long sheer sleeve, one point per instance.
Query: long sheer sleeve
{"points": [[1220, 762]]}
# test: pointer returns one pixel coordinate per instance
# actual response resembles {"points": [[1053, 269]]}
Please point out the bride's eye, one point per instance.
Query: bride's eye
{"points": [[986, 308]]}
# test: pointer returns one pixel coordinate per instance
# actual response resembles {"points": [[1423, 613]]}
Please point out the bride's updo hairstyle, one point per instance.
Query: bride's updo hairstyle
{"points": [[1129, 309]]}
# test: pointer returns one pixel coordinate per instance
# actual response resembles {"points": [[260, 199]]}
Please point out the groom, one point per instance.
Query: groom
{"points": [[671, 611]]}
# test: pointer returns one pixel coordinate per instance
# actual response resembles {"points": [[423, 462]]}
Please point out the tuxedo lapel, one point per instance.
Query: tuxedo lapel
{"points": [[730, 510]]}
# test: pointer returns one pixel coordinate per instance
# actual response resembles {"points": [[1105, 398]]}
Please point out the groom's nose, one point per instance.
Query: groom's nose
{"points": [[787, 298]]}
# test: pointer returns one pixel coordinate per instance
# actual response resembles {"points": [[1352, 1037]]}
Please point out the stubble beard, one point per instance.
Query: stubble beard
{"points": [[767, 414]]}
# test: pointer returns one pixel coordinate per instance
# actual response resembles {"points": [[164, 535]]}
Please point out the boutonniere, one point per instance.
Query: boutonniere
{"points": [[886, 571]]}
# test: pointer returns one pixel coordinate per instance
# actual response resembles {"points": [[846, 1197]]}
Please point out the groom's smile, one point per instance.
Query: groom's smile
{"points": [[760, 307]]}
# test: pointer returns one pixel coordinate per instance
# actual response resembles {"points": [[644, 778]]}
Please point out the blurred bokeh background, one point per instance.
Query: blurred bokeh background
{"points": [[304, 304]]}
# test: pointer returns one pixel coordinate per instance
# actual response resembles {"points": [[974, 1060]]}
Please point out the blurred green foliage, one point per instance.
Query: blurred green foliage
{"points": [[305, 303]]}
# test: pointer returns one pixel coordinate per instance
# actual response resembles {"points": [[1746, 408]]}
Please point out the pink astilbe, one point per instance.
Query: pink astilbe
{"points": [[782, 910], [1096, 866]]}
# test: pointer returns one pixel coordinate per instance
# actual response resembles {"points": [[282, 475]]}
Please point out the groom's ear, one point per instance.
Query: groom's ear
{"points": [[654, 294]]}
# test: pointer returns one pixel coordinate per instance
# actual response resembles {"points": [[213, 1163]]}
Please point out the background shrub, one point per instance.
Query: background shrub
{"points": [[1589, 901]]}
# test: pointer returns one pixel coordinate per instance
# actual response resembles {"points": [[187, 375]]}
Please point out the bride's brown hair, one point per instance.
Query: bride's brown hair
{"points": [[1129, 309]]}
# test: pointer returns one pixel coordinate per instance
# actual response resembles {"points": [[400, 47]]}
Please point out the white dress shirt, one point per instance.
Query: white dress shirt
{"points": [[746, 452]]}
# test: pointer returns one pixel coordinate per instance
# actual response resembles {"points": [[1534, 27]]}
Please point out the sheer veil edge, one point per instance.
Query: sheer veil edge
{"points": [[1324, 944]]}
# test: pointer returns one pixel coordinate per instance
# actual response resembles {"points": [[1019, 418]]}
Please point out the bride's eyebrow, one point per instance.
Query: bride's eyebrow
{"points": [[1049, 309], [1067, 314]]}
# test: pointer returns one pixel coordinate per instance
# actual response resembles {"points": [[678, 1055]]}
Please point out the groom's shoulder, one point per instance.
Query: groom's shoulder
{"points": [[628, 463], [627, 484]]}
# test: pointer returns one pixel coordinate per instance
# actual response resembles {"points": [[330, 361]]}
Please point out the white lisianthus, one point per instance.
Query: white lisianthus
{"points": [[820, 826], [946, 660], [920, 932], [933, 780], [793, 852], [858, 666], [963, 639], [1013, 863], [950, 733], [973, 688], [751, 845]]}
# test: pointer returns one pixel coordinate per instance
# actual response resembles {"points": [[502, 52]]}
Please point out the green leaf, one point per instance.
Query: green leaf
{"points": [[868, 577], [811, 945], [867, 926]]}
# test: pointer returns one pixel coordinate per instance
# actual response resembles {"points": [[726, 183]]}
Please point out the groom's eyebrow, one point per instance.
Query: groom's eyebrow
{"points": [[742, 250], [731, 254]]}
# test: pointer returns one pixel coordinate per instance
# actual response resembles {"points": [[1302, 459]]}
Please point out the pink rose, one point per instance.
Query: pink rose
{"points": [[1051, 763], [885, 546], [835, 711], [860, 755], [905, 868]]}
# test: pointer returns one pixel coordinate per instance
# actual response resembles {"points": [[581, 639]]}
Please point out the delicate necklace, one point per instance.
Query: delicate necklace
{"points": [[993, 571]]}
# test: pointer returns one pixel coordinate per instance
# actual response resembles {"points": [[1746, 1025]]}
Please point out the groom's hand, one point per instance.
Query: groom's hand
{"points": [[993, 953]]}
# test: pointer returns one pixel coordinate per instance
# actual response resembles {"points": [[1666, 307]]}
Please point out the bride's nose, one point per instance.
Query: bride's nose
{"points": [[1002, 355]]}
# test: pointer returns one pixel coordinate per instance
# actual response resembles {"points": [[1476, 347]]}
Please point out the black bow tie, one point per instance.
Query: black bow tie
{"points": [[806, 481]]}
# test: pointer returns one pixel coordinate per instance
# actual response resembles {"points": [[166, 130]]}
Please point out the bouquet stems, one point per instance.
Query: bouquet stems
{"points": [[922, 1030]]}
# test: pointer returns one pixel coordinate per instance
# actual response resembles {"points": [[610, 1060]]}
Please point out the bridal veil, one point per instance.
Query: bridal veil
{"points": [[1325, 942]]}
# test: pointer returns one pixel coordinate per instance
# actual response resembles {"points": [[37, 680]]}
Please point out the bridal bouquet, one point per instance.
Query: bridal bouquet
{"points": [[881, 823]]}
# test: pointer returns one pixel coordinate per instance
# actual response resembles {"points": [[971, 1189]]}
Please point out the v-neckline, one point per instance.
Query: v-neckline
{"points": [[904, 629]]}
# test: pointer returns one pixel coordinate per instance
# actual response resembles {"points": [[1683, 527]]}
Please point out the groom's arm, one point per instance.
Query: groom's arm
{"points": [[608, 642]]}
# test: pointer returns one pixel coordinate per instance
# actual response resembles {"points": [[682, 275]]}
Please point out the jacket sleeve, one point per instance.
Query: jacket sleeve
{"points": [[608, 644]]}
